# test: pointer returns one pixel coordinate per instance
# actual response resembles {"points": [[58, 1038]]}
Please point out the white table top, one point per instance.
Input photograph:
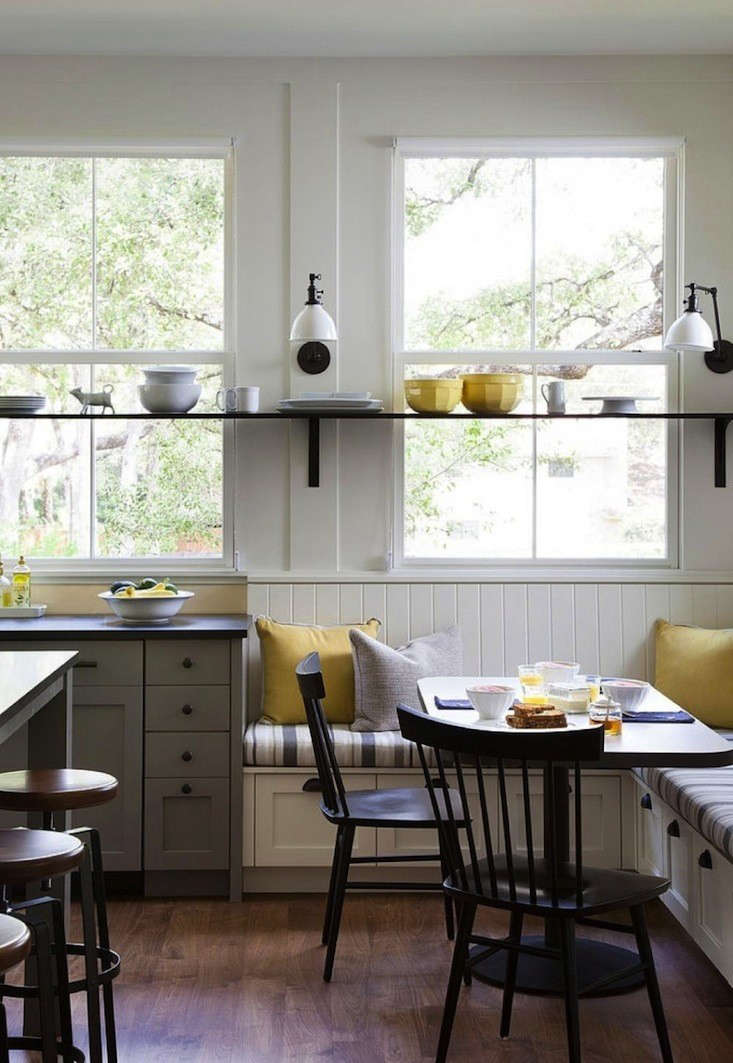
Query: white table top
{"points": [[26, 672], [668, 745]]}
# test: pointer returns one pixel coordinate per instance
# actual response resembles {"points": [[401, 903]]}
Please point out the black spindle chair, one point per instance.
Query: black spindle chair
{"points": [[412, 808], [541, 884]]}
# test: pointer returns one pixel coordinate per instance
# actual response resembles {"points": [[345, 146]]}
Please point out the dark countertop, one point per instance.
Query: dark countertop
{"points": [[101, 625]]}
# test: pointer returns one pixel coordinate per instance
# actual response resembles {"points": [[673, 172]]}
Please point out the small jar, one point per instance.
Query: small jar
{"points": [[608, 712]]}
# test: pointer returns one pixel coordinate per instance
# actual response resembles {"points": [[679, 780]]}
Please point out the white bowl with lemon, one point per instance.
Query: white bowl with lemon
{"points": [[148, 601]]}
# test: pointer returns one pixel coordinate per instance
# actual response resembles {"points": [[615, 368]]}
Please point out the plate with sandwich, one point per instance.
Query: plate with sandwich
{"points": [[524, 717]]}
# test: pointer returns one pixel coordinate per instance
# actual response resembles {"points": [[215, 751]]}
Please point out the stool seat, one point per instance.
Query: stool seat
{"points": [[32, 855], [15, 942], [55, 789]]}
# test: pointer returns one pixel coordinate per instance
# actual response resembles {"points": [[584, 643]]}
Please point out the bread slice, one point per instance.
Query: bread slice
{"points": [[545, 719]]}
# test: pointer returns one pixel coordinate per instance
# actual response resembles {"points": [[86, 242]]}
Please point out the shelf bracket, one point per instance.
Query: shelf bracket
{"points": [[721, 428], [314, 452]]}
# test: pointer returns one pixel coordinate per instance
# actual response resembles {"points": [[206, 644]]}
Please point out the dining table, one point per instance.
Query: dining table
{"points": [[690, 744]]}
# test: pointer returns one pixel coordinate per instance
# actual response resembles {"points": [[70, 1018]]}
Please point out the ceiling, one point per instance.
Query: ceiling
{"points": [[366, 28]]}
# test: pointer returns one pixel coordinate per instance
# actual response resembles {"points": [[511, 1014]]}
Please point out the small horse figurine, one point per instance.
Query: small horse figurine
{"points": [[90, 399]]}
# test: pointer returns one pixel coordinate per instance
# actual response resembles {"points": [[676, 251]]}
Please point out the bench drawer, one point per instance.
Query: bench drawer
{"points": [[190, 754], [186, 661], [291, 830], [186, 824], [184, 708]]}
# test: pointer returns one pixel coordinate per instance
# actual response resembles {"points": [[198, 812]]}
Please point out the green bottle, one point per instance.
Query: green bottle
{"points": [[21, 583]]}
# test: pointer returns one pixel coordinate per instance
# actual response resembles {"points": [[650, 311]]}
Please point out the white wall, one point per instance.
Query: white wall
{"points": [[312, 188]]}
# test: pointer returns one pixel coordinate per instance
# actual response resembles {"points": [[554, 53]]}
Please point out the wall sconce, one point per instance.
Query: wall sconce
{"points": [[691, 332], [312, 328]]}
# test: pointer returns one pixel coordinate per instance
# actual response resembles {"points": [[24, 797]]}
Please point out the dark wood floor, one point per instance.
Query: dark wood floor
{"points": [[210, 982]]}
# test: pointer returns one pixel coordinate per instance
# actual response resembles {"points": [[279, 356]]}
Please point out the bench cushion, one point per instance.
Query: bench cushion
{"points": [[702, 796], [289, 745]]}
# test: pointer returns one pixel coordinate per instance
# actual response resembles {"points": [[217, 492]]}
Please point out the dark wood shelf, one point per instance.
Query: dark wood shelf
{"points": [[314, 418]]}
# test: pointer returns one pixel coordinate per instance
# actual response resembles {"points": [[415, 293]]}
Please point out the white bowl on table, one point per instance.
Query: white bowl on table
{"points": [[491, 700], [146, 610], [629, 693], [178, 397], [170, 374]]}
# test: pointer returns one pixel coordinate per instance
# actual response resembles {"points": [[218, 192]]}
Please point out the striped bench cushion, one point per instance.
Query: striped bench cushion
{"points": [[702, 796], [289, 746]]}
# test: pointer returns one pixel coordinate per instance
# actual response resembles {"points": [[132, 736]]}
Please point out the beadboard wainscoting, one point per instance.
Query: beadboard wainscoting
{"points": [[607, 627]]}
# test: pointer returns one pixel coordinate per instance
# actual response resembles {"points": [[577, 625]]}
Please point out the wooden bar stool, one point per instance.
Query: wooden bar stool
{"points": [[28, 856], [15, 944], [53, 792]]}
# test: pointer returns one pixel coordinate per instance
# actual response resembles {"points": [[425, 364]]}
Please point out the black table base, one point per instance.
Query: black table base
{"points": [[543, 975]]}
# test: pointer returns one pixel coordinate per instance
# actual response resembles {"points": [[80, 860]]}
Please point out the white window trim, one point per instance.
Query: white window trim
{"points": [[59, 569], [673, 150]]}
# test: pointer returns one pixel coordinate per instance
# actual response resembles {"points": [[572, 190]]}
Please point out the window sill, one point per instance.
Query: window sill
{"points": [[85, 574], [494, 575]]}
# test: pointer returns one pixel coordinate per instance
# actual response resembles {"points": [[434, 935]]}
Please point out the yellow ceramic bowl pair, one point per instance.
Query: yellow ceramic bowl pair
{"points": [[479, 392]]}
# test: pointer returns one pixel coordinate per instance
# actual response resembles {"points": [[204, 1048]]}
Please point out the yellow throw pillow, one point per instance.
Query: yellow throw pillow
{"points": [[694, 667], [284, 645]]}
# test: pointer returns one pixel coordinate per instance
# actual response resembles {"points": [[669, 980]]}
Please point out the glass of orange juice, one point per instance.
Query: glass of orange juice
{"points": [[594, 682], [532, 684]]}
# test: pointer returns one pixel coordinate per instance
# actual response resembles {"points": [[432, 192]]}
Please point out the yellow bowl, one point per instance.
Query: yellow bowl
{"points": [[492, 392], [433, 394]]}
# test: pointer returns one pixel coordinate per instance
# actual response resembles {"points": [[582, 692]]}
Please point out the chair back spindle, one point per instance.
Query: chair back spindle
{"points": [[471, 753], [310, 683]]}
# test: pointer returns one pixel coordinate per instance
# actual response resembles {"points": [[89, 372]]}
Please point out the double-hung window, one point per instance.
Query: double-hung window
{"points": [[554, 260], [112, 260]]}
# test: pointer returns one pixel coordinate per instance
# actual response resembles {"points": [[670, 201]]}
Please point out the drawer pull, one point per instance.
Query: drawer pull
{"points": [[187, 662], [673, 829], [646, 801], [187, 710], [85, 664], [705, 859], [186, 788], [188, 755], [312, 786]]}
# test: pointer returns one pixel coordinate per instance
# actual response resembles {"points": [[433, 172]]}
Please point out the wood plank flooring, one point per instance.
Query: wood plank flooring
{"points": [[211, 982]]}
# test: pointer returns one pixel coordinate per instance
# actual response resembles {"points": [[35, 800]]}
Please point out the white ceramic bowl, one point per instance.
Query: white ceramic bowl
{"points": [[557, 671], [169, 398], [629, 693], [491, 701], [170, 374], [146, 610]]}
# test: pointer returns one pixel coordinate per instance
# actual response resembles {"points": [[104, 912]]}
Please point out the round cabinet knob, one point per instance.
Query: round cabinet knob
{"points": [[187, 710], [185, 789], [188, 755], [187, 662]]}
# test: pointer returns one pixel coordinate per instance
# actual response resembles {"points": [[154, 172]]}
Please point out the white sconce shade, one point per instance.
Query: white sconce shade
{"points": [[313, 323], [690, 332]]}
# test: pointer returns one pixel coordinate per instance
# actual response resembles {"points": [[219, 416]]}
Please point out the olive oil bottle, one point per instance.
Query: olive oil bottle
{"points": [[6, 591], [21, 583]]}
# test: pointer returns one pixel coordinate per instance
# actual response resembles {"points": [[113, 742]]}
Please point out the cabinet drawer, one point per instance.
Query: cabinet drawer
{"points": [[189, 754], [183, 708], [186, 661], [100, 663], [186, 824]]}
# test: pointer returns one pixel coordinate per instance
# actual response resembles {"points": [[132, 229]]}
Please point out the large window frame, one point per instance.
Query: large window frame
{"points": [[672, 150], [183, 148]]}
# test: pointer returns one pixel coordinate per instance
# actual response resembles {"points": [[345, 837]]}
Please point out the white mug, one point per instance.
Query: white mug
{"points": [[554, 395], [238, 400]]}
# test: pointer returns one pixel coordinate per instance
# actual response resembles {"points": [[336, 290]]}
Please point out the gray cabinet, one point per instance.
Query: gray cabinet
{"points": [[107, 736], [186, 824]]}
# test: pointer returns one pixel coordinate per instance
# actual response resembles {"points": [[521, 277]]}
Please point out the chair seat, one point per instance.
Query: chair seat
{"points": [[603, 889], [15, 942], [31, 855], [55, 789], [398, 807]]}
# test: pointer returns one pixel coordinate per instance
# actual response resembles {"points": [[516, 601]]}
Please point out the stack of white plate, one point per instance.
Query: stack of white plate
{"points": [[334, 400], [15, 404]]}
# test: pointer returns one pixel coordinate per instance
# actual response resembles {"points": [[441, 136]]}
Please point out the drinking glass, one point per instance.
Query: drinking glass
{"points": [[532, 684]]}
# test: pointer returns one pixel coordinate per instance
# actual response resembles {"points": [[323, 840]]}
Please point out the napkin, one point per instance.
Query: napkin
{"points": [[452, 703], [657, 716]]}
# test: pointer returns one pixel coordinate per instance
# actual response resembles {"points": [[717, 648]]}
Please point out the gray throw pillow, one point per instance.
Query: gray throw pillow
{"points": [[384, 677]]}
